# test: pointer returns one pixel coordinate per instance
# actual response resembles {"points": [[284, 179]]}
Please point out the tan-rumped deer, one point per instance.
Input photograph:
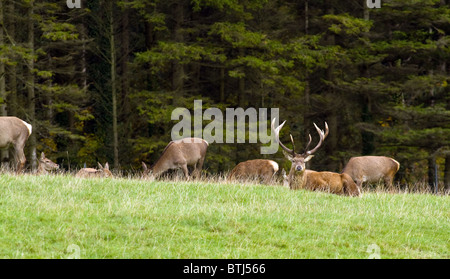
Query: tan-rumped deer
{"points": [[46, 165], [300, 178], [254, 169], [15, 132], [372, 169], [179, 154], [91, 172]]}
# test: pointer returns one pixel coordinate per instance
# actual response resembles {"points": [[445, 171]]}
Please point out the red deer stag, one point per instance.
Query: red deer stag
{"points": [[15, 132], [91, 172], [300, 178], [251, 169], [372, 169], [180, 154], [46, 165]]}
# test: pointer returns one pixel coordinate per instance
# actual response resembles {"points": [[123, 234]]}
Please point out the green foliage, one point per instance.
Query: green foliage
{"points": [[379, 77], [59, 31], [166, 52], [91, 146], [345, 24]]}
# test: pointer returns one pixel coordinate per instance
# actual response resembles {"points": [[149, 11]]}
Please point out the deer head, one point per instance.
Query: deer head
{"points": [[105, 172], [46, 165], [299, 160]]}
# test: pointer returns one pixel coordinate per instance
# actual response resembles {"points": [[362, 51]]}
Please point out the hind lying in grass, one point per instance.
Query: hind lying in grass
{"points": [[254, 170], [91, 172]]}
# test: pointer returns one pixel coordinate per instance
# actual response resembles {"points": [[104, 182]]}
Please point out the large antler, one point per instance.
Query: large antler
{"points": [[307, 152], [276, 131], [322, 136]]}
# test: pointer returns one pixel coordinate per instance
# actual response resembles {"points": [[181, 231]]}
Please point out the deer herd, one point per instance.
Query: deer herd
{"points": [[180, 154]]}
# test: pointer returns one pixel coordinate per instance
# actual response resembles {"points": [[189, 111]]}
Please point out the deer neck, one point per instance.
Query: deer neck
{"points": [[297, 179], [41, 169], [159, 168]]}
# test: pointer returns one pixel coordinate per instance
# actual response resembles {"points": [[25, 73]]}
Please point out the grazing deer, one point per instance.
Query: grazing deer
{"points": [[180, 154], [258, 168], [15, 132], [300, 178], [91, 172], [372, 169], [46, 165]]}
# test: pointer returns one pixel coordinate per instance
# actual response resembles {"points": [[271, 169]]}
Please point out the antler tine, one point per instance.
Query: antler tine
{"points": [[326, 130], [322, 136], [293, 144], [277, 136], [308, 144]]}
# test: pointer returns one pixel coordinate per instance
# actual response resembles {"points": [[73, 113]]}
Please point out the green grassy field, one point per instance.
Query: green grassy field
{"points": [[64, 217]]}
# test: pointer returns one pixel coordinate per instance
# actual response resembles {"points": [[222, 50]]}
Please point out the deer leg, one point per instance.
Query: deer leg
{"points": [[388, 182], [268, 178], [195, 171], [19, 156], [185, 171], [359, 183], [198, 168]]}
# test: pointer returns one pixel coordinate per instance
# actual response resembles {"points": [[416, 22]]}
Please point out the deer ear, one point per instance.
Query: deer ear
{"points": [[100, 165], [288, 156], [308, 158], [42, 156], [106, 166], [144, 166]]}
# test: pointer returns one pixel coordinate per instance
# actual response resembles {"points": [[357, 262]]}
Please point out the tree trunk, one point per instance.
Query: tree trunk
{"points": [[3, 111], [12, 69], [366, 10], [307, 95], [431, 167], [332, 140], [178, 68], [48, 96], [113, 86], [30, 89], [241, 85], [222, 85], [366, 116], [447, 174], [126, 110], [306, 17], [84, 63], [125, 114]]}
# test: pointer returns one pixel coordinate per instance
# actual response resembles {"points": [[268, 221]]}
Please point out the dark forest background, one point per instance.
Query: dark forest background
{"points": [[100, 83]]}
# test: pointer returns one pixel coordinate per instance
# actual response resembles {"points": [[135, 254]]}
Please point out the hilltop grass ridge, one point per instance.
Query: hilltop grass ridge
{"points": [[127, 217]]}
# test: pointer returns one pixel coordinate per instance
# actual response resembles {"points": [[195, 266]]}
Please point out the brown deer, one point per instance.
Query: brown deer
{"points": [[300, 178], [180, 154], [15, 132], [46, 165], [91, 172], [251, 169], [372, 169]]}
